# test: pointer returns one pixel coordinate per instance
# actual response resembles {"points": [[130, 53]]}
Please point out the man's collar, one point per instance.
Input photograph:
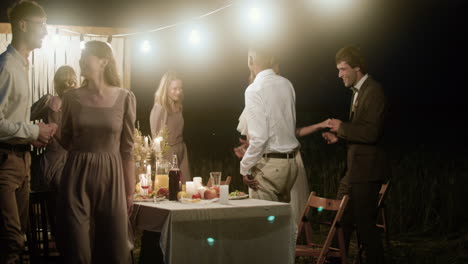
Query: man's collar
{"points": [[17, 55], [265, 73], [359, 84]]}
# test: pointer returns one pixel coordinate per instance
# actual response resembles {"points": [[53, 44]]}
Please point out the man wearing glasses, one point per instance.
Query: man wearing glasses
{"points": [[28, 25]]}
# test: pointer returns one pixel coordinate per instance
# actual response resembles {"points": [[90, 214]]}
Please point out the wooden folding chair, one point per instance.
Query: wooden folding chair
{"points": [[382, 216], [226, 182], [323, 251]]}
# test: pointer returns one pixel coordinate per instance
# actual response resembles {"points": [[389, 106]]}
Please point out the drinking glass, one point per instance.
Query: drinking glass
{"points": [[215, 178]]}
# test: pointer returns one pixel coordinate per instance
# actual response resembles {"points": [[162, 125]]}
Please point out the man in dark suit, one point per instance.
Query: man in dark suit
{"points": [[365, 158]]}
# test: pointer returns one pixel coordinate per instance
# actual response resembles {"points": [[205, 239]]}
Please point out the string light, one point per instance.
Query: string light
{"points": [[153, 30]]}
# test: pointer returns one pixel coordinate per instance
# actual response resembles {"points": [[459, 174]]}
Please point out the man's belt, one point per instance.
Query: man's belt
{"points": [[15, 147], [280, 155]]}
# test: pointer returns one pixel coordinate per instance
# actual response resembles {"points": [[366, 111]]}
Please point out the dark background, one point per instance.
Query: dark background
{"points": [[416, 49]]}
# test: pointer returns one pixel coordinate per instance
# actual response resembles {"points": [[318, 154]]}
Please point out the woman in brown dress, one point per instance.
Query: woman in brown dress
{"points": [[48, 108], [167, 111], [96, 190]]}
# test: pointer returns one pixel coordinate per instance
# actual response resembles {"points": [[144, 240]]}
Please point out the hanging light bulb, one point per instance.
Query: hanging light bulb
{"points": [[195, 37], [255, 15], [145, 46]]}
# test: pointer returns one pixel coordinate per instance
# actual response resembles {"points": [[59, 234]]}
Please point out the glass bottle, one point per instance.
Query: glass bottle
{"points": [[174, 179]]}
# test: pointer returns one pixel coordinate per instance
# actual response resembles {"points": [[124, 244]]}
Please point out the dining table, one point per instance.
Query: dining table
{"points": [[242, 231]]}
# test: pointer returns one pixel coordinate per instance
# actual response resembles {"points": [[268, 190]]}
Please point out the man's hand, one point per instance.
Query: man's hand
{"points": [[334, 125], [46, 132], [330, 138], [251, 182]]}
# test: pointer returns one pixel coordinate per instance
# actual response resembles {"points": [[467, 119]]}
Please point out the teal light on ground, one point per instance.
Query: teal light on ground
{"points": [[210, 241], [271, 219], [320, 209]]}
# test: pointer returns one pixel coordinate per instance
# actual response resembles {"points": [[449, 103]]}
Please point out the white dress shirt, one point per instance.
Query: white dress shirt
{"points": [[270, 115], [15, 102], [358, 87]]}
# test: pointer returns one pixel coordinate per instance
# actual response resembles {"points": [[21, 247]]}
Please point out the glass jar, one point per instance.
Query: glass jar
{"points": [[161, 178]]}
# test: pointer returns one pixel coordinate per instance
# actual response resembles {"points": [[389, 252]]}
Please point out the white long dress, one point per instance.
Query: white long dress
{"points": [[300, 190]]}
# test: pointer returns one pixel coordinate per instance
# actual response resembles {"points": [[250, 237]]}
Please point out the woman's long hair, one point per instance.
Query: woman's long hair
{"points": [[161, 96], [103, 50]]}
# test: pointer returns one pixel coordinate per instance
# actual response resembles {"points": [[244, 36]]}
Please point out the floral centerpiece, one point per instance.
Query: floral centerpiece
{"points": [[141, 148], [147, 151]]}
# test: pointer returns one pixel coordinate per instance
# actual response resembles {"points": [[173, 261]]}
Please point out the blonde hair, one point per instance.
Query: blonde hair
{"points": [[64, 79], [161, 96]]}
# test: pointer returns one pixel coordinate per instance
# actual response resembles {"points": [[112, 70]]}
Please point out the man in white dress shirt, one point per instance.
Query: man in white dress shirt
{"points": [[16, 133], [269, 167]]}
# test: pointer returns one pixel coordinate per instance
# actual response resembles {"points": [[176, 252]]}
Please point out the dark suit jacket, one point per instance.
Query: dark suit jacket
{"points": [[363, 134]]}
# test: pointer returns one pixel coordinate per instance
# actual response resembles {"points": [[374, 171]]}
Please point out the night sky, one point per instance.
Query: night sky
{"points": [[414, 48]]}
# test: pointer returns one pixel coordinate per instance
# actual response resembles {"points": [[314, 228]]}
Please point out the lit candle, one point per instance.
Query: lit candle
{"points": [[146, 141], [157, 144]]}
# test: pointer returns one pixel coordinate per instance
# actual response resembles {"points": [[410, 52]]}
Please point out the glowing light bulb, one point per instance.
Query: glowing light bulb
{"points": [[195, 37], [145, 46]]}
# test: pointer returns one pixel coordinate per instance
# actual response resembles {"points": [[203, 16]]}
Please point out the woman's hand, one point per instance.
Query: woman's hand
{"points": [[325, 124]]}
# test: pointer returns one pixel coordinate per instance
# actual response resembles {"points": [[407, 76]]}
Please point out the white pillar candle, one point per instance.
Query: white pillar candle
{"points": [[190, 188], [198, 182], [146, 141], [223, 194]]}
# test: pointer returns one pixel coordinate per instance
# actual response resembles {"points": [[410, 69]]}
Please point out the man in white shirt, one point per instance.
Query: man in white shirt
{"points": [[16, 133], [269, 167]]}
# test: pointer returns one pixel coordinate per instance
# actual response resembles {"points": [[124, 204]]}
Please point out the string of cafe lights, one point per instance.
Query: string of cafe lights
{"points": [[255, 15]]}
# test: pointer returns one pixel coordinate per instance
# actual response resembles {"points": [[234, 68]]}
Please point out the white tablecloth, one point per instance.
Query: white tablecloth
{"points": [[245, 231]]}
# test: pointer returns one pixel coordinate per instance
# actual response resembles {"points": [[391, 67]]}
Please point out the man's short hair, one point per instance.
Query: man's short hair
{"points": [[264, 54], [24, 10], [353, 56]]}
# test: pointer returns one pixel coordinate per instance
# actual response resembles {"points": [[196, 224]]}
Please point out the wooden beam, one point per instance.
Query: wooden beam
{"points": [[5, 28]]}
